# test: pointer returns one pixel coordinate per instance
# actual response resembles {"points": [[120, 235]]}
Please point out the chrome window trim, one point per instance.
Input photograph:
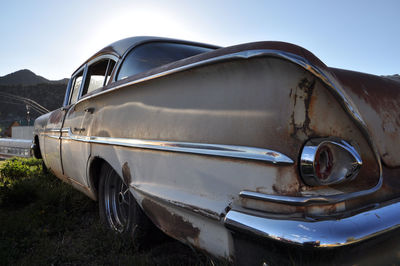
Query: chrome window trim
{"points": [[67, 92], [220, 150], [85, 71], [163, 40], [131, 49], [101, 57], [83, 68], [95, 60]]}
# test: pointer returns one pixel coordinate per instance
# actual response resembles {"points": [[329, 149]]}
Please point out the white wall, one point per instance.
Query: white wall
{"points": [[22, 132]]}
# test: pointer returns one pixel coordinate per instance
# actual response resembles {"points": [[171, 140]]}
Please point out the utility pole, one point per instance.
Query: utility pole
{"points": [[28, 117]]}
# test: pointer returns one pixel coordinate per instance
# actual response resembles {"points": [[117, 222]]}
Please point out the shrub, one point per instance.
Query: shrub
{"points": [[17, 187], [16, 169]]}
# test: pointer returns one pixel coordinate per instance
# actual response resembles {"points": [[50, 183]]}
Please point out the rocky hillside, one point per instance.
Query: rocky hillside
{"points": [[25, 83]]}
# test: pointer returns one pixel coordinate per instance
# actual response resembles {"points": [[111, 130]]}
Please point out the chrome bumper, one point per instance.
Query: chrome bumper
{"points": [[320, 234]]}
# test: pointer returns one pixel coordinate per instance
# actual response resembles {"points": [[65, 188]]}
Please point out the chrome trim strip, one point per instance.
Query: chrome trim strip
{"points": [[308, 200], [231, 151], [51, 136], [52, 130], [319, 234]]}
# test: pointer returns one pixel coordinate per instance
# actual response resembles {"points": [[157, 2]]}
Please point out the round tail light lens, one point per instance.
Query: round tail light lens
{"points": [[328, 161], [324, 162]]}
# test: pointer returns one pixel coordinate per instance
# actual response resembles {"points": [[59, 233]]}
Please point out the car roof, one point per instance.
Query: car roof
{"points": [[119, 48]]}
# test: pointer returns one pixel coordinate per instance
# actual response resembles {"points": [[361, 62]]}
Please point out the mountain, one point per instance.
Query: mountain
{"points": [[24, 83], [395, 77], [26, 77]]}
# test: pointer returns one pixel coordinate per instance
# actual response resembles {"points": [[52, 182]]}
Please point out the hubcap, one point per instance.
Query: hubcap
{"points": [[117, 200]]}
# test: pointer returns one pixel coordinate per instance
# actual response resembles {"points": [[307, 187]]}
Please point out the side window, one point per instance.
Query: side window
{"points": [[98, 74], [76, 85], [152, 55]]}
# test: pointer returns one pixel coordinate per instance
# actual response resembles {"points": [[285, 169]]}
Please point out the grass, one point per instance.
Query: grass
{"points": [[46, 222]]}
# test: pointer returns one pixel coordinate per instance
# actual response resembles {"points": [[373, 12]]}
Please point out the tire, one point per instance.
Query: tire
{"points": [[118, 208], [44, 168]]}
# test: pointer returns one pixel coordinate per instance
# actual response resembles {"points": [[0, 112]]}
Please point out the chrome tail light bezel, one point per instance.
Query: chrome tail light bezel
{"points": [[344, 166]]}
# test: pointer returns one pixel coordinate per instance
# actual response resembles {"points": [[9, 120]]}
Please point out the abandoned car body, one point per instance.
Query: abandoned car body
{"points": [[260, 139]]}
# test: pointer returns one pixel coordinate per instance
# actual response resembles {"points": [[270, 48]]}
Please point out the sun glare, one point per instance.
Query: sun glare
{"points": [[139, 22]]}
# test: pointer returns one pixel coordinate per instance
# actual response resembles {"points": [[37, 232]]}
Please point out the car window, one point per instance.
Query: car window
{"points": [[151, 55], [98, 75], [76, 85]]}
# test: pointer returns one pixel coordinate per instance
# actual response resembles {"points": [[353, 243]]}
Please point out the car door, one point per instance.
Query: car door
{"points": [[75, 143], [52, 141]]}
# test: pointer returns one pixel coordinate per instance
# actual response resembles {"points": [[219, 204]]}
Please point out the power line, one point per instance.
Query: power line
{"points": [[33, 104]]}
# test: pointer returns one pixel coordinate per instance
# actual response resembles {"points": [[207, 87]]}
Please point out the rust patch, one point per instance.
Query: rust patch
{"points": [[300, 120], [326, 209], [172, 224], [377, 91], [287, 181], [272, 207], [126, 173], [391, 181], [377, 99]]}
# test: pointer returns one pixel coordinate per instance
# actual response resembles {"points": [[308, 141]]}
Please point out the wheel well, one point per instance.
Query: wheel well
{"points": [[94, 173], [38, 153]]}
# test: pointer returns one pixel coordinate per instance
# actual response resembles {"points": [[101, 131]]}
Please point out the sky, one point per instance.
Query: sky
{"points": [[53, 37]]}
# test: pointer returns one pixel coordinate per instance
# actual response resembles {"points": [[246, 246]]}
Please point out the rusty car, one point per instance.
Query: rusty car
{"points": [[209, 143]]}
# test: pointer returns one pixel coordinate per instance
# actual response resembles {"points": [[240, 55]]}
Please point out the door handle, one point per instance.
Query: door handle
{"points": [[89, 110]]}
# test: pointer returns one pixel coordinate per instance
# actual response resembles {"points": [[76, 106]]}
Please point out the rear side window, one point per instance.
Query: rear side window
{"points": [[98, 75], [152, 55], [76, 84]]}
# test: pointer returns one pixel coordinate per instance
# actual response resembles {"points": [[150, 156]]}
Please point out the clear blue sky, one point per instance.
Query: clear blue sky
{"points": [[52, 38]]}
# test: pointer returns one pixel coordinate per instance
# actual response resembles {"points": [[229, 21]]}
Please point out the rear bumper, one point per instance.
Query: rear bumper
{"points": [[319, 234]]}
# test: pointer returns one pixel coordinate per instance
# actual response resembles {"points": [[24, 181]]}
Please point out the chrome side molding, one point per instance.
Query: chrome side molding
{"points": [[308, 200], [221, 150]]}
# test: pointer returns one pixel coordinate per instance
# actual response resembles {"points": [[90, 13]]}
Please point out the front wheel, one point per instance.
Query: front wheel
{"points": [[118, 208]]}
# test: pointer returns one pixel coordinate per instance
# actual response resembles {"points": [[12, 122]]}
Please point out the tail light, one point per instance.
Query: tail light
{"points": [[327, 161]]}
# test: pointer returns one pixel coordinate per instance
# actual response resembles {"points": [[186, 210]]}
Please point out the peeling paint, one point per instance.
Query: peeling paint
{"points": [[300, 120], [378, 100], [286, 182], [172, 224]]}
